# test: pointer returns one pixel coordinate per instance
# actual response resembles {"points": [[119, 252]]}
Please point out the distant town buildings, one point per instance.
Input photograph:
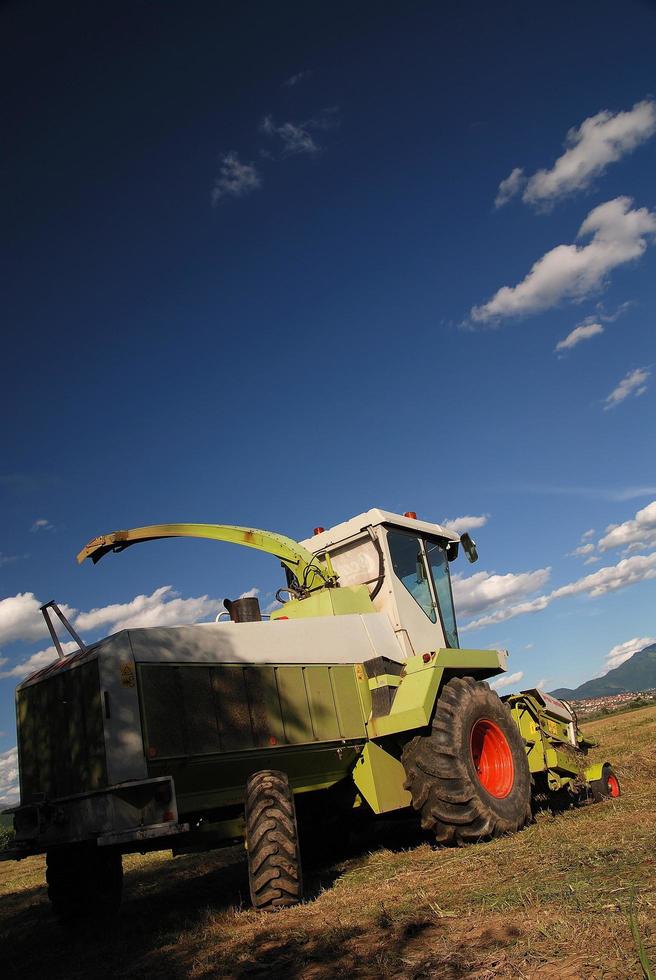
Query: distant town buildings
{"points": [[613, 702]]}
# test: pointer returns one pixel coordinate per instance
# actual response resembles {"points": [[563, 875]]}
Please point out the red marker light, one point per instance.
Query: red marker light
{"points": [[168, 815], [318, 530], [426, 657], [411, 514]]}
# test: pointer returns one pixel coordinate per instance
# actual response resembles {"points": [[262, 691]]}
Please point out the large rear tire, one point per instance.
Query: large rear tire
{"points": [[84, 880], [274, 858], [468, 776]]}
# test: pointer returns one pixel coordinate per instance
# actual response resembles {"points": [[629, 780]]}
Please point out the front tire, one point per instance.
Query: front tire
{"points": [[606, 788], [468, 776], [274, 858]]}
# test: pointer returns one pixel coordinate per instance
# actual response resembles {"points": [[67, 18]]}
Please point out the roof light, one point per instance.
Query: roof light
{"points": [[318, 530], [411, 514]]}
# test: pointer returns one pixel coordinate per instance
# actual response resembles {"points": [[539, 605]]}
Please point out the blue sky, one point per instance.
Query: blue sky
{"points": [[253, 273]]}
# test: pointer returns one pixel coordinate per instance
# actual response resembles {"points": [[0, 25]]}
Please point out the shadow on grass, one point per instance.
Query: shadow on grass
{"points": [[167, 900]]}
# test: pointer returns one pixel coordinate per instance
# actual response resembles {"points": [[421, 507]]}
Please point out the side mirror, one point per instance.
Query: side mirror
{"points": [[469, 546]]}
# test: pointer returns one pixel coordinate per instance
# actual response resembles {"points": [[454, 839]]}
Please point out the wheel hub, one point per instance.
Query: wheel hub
{"points": [[492, 758]]}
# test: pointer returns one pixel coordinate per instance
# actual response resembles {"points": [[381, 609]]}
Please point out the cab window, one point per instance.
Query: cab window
{"points": [[439, 567], [409, 566]]}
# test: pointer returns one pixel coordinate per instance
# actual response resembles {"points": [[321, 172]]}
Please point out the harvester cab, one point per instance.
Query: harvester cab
{"points": [[355, 698]]}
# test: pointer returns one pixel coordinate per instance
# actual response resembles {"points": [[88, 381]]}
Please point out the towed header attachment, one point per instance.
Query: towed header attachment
{"points": [[310, 573]]}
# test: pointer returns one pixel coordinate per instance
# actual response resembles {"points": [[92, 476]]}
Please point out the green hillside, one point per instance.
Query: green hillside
{"points": [[638, 673]]}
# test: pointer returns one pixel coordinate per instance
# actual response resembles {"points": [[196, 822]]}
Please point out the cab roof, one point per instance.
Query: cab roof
{"points": [[348, 529]]}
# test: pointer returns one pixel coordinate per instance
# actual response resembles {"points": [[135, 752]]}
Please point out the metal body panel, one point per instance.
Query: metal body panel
{"points": [[125, 808], [348, 639], [380, 777], [209, 783], [60, 733], [415, 697]]}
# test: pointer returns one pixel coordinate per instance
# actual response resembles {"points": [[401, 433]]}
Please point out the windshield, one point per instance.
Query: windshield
{"points": [[439, 566]]}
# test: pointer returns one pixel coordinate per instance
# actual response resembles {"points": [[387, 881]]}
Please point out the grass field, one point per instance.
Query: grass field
{"points": [[574, 895]]}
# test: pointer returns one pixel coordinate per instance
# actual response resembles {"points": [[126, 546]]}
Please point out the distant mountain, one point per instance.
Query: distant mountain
{"points": [[638, 673]]}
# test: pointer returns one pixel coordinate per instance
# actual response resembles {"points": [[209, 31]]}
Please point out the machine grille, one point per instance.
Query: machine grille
{"points": [[60, 734]]}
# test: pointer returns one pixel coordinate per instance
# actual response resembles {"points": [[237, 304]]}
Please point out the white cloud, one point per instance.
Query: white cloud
{"points": [[640, 530], [509, 187], [7, 559], [42, 525], [619, 233], [507, 680], [600, 140], [235, 179], [612, 578], [466, 523], [633, 383], [583, 550], [485, 589], [541, 684], [295, 79], [38, 660], [626, 572], [162, 608], [588, 534], [21, 619], [250, 593], [624, 651], [9, 777], [584, 331]]}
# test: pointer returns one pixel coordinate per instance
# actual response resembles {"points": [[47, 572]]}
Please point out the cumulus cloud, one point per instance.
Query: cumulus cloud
{"points": [[624, 651], [235, 179], [297, 137], [163, 607], [507, 680], [626, 572], [584, 331], [509, 187], [21, 619], [634, 383], [612, 578], [640, 531], [583, 550], [466, 523], [9, 777], [619, 234], [484, 589], [600, 140], [38, 660]]}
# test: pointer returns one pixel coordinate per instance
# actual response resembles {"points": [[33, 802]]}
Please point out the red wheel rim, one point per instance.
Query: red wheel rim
{"points": [[613, 785], [492, 758]]}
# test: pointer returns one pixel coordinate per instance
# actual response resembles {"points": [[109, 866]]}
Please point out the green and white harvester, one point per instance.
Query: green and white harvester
{"points": [[354, 699]]}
